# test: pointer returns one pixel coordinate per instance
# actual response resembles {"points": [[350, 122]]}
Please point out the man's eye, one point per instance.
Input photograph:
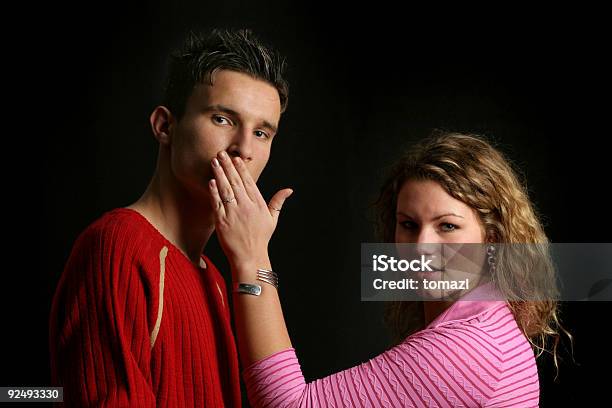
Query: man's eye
{"points": [[261, 134], [220, 120], [448, 227]]}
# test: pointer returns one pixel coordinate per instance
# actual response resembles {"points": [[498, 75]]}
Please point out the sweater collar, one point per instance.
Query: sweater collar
{"points": [[480, 300]]}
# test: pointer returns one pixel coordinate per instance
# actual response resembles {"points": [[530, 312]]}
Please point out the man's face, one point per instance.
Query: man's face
{"points": [[237, 114]]}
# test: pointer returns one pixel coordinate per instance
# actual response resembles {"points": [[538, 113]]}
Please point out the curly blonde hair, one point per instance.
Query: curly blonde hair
{"points": [[471, 170]]}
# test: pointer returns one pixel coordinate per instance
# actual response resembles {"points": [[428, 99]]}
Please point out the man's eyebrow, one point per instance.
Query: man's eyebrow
{"points": [[229, 111], [221, 108], [270, 126]]}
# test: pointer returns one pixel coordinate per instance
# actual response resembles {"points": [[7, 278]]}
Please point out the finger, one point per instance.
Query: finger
{"points": [[215, 199], [234, 179], [250, 187], [226, 192], [278, 200]]}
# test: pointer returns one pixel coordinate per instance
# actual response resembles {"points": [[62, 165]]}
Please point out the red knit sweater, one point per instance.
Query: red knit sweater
{"points": [[135, 323]]}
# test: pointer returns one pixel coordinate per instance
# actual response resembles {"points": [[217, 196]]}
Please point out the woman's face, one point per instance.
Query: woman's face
{"points": [[428, 216]]}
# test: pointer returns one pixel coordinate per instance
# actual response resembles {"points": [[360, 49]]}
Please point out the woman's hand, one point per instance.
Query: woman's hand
{"points": [[243, 220]]}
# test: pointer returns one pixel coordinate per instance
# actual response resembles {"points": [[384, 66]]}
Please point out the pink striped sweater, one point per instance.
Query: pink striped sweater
{"points": [[472, 355]]}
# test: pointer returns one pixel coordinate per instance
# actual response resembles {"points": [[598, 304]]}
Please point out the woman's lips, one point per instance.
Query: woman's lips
{"points": [[433, 275]]}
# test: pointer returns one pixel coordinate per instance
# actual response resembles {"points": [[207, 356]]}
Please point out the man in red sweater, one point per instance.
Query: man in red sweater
{"points": [[140, 317]]}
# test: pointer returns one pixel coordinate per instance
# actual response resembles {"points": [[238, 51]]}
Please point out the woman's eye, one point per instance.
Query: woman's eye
{"points": [[407, 224], [447, 227]]}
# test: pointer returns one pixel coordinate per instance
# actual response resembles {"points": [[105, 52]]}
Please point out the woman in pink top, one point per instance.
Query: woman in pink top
{"points": [[453, 188]]}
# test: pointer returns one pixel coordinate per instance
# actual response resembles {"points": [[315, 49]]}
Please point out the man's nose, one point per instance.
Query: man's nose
{"points": [[242, 145]]}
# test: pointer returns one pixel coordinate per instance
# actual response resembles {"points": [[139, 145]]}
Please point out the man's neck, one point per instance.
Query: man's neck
{"points": [[182, 218]]}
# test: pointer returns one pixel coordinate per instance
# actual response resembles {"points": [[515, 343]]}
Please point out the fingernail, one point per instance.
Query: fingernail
{"points": [[223, 155], [215, 162]]}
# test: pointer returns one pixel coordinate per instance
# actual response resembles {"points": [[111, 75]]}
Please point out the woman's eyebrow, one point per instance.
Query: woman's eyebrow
{"points": [[448, 215], [435, 218]]}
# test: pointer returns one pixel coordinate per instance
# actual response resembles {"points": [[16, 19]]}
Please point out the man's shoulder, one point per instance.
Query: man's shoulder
{"points": [[120, 228], [111, 257]]}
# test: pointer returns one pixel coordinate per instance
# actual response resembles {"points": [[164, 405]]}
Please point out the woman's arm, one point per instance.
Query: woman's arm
{"points": [[260, 324], [435, 367], [244, 225], [441, 367]]}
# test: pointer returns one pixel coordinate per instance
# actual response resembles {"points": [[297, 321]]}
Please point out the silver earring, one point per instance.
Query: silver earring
{"points": [[492, 258]]}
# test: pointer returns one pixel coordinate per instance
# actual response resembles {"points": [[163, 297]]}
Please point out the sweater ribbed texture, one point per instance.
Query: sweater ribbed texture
{"points": [[135, 323]]}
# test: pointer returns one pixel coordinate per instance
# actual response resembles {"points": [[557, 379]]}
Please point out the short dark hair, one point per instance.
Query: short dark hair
{"points": [[235, 50]]}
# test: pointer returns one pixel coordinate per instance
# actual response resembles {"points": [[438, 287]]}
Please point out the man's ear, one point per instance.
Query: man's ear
{"points": [[162, 123]]}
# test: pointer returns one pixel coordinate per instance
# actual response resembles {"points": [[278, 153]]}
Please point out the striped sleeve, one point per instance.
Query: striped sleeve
{"points": [[443, 366], [519, 385], [99, 334]]}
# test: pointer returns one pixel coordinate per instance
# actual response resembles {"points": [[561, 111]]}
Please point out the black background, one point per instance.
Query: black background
{"points": [[83, 80]]}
